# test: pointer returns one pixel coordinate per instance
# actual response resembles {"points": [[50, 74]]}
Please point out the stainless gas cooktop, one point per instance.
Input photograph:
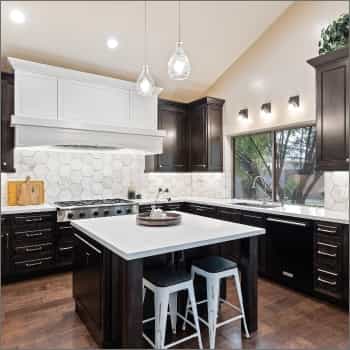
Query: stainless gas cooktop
{"points": [[72, 210]]}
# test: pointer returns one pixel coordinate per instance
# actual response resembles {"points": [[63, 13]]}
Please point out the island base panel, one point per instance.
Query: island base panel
{"points": [[249, 281]]}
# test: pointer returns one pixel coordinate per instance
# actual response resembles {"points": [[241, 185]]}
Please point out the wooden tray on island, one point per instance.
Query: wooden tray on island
{"points": [[170, 219]]}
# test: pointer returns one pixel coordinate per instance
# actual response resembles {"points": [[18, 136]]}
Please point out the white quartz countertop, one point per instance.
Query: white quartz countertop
{"points": [[124, 237], [296, 211], [27, 209]]}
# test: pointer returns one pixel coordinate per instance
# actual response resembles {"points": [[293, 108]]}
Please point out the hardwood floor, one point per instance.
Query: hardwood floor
{"points": [[40, 314]]}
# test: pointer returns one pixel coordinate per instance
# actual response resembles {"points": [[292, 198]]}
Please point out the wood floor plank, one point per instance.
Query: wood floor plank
{"points": [[39, 313]]}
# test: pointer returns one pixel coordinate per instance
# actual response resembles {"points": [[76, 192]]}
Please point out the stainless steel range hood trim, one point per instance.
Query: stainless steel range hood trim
{"points": [[41, 132]]}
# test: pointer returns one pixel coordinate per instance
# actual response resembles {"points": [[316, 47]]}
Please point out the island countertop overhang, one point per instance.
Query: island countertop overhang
{"points": [[122, 236]]}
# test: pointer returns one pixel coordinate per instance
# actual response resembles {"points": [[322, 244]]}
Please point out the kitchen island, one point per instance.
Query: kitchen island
{"points": [[111, 253]]}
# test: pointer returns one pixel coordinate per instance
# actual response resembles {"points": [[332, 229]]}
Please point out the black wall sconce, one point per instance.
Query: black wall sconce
{"points": [[294, 102], [243, 114], [266, 109]]}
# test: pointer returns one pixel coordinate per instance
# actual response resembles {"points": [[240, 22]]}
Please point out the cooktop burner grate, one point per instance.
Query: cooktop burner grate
{"points": [[83, 203]]}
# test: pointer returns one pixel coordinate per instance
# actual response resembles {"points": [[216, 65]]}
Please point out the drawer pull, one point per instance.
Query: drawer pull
{"points": [[28, 235], [326, 254], [65, 227], [327, 282], [179, 165], [65, 248], [295, 223], [37, 249], [34, 220], [287, 274], [34, 264], [33, 231], [327, 231], [327, 245], [327, 272]]}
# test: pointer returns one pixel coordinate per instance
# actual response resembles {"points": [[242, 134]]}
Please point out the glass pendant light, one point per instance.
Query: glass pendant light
{"points": [[145, 82], [179, 67]]}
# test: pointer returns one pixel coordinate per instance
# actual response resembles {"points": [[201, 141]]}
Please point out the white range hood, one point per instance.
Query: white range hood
{"points": [[61, 107]]}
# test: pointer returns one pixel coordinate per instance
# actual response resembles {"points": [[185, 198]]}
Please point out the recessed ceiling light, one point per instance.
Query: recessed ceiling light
{"points": [[112, 43], [17, 16]]}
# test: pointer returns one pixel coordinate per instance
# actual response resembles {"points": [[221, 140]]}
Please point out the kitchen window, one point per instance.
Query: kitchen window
{"points": [[285, 161]]}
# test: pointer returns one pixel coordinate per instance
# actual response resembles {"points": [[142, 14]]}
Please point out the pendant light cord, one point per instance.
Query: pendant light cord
{"points": [[178, 21], [145, 33]]}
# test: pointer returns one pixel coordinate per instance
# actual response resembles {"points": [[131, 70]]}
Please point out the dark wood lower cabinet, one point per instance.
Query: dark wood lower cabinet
{"points": [[33, 244], [331, 261], [5, 247], [258, 219], [88, 284], [297, 253]]}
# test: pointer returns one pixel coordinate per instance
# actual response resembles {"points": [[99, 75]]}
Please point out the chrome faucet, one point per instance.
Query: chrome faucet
{"points": [[264, 183]]}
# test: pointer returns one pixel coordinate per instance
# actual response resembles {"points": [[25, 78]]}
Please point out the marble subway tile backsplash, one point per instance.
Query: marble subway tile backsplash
{"points": [[74, 175]]}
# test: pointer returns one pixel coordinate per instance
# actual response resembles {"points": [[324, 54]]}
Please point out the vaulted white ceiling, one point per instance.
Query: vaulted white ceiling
{"points": [[73, 34]]}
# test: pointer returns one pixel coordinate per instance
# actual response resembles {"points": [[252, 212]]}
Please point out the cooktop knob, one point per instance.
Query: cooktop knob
{"points": [[106, 212], [119, 211], [82, 215], [95, 213], [70, 216], [128, 211]]}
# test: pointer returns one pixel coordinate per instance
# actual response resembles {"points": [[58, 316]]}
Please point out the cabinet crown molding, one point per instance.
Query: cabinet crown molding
{"points": [[71, 74]]}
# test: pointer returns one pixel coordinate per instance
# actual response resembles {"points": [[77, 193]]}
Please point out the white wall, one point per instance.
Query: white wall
{"points": [[273, 69]]}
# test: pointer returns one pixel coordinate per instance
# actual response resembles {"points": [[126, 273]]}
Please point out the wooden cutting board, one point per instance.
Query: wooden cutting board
{"points": [[25, 192]]}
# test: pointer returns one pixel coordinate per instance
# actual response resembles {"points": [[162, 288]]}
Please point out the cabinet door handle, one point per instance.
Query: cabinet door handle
{"points": [[295, 223], [34, 264], [347, 160], [7, 240], [87, 243], [65, 248], [327, 272], [327, 282], [160, 166], [202, 165], [65, 227], [288, 274], [326, 254], [37, 249], [4, 163], [327, 245]]}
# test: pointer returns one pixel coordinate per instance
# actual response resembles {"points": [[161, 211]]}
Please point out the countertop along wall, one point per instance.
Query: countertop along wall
{"points": [[273, 69]]}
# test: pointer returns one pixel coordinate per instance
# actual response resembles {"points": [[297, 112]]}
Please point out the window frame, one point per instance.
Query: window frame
{"points": [[272, 131]]}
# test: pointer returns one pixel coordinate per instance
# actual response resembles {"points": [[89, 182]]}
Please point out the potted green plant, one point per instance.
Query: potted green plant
{"points": [[335, 35]]}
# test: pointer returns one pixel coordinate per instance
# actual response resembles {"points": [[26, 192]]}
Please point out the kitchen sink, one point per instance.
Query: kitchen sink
{"points": [[258, 205]]}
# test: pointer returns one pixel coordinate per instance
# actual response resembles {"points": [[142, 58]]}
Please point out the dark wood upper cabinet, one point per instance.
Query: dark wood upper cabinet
{"points": [[172, 118], [205, 128], [194, 136], [332, 110], [7, 132]]}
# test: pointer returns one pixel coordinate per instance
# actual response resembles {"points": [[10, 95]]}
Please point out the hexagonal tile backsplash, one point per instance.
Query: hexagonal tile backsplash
{"points": [[78, 175], [337, 190]]}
